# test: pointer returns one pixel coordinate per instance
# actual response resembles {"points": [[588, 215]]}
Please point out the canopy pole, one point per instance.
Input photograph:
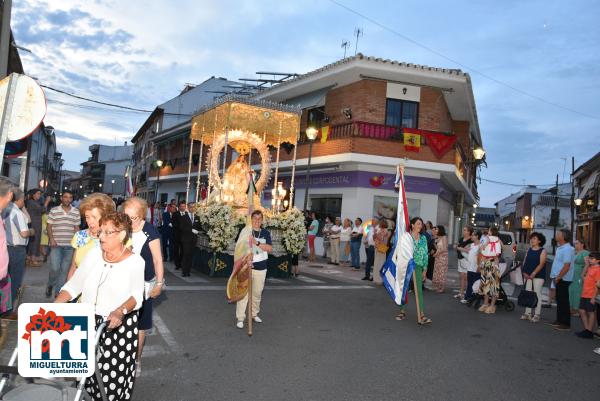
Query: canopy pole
{"points": [[187, 185], [212, 149], [225, 151], [277, 167], [198, 197], [291, 204]]}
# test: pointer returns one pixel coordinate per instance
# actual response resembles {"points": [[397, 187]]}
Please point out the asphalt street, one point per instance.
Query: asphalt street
{"points": [[330, 336]]}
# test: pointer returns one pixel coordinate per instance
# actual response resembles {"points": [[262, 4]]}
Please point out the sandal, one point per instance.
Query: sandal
{"points": [[401, 316], [424, 320]]}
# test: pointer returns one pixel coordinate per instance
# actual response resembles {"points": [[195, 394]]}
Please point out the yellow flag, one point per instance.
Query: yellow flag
{"points": [[324, 133], [412, 142]]}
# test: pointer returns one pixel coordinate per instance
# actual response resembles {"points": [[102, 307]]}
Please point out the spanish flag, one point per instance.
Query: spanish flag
{"points": [[324, 133], [412, 142]]}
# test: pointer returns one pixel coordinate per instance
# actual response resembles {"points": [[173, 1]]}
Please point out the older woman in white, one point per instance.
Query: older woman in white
{"points": [[112, 279]]}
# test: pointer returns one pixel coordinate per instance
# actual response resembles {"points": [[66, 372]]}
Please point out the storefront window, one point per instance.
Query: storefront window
{"points": [[326, 206], [401, 113]]}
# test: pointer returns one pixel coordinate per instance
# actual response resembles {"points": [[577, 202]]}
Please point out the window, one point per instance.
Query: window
{"points": [[401, 113], [326, 206], [316, 116]]}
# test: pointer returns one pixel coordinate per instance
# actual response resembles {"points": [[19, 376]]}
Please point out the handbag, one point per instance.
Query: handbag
{"points": [[148, 287], [527, 299]]}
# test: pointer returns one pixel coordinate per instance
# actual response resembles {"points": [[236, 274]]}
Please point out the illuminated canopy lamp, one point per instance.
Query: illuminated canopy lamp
{"points": [[158, 163], [506, 222], [474, 205], [578, 202], [526, 218]]}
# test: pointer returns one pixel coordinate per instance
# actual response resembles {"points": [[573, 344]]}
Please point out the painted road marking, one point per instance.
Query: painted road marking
{"points": [[287, 287], [277, 280], [165, 333], [307, 279]]}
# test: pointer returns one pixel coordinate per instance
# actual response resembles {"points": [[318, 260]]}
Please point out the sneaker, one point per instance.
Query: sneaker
{"points": [[365, 278], [48, 291], [240, 325], [585, 334], [525, 316], [535, 319], [464, 301], [257, 319], [457, 296], [597, 350]]}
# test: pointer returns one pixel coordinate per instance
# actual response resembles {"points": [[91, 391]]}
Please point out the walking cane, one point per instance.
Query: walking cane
{"points": [[250, 303], [414, 278]]}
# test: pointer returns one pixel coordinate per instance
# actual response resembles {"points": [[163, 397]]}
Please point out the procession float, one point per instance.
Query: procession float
{"points": [[235, 130]]}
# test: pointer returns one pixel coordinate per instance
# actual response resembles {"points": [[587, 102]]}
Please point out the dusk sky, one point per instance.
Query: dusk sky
{"points": [[535, 65]]}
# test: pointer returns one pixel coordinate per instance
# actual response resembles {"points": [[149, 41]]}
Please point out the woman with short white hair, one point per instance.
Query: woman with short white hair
{"points": [[146, 243]]}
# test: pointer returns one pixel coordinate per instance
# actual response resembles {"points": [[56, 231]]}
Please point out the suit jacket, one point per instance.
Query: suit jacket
{"points": [[166, 220], [183, 225]]}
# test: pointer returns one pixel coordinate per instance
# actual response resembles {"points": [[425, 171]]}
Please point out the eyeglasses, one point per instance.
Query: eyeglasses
{"points": [[107, 232], [134, 218]]}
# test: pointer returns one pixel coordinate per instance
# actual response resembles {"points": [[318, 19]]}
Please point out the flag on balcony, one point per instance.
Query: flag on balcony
{"points": [[324, 133], [412, 140], [439, 143]]}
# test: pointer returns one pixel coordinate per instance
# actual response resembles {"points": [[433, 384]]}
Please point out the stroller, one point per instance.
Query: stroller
{"points": [[51, 389], [502, 300]]}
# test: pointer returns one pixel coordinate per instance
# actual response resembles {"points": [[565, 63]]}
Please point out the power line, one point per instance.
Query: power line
{"points": [[108, 104], [431, 50], [518, 185]]}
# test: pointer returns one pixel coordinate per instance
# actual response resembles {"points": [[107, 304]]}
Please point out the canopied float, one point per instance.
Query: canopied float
{"points": [[236, 129]]}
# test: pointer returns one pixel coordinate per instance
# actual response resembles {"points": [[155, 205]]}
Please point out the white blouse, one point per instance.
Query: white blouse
{"points": [[107, 285], [345, 234]]}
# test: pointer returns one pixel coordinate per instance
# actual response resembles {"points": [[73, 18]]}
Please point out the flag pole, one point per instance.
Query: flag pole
{"points": [[250, 303], [414, 277]]}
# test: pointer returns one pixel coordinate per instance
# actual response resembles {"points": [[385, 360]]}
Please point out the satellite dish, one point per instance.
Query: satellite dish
{"points": [[27, 108]]}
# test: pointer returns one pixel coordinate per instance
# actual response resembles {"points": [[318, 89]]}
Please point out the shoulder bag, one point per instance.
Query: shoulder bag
{"points": [[528, 299]]}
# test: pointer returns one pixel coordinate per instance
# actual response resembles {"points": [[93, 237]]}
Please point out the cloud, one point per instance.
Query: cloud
{"points": [[68, 142], [141, 53]]}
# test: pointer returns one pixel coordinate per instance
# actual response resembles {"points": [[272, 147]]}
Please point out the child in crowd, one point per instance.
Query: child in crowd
{"points": [[587, 305], [473, 265]]}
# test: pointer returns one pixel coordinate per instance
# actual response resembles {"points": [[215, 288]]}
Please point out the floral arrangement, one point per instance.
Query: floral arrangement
{"points": [[221, 224], [291, 223]]}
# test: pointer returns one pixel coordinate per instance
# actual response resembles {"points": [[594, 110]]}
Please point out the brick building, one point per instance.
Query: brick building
{"points": [[365, 105]]}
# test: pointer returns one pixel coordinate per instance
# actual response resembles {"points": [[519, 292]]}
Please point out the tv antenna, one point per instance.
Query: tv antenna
{"points": [[358, 32], [345, 45]]}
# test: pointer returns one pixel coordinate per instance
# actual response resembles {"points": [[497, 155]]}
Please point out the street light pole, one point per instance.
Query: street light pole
{"points": [[311, 134]]}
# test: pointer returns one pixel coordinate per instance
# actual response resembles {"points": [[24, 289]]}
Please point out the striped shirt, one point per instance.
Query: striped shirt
{"points": [[64, 224], [16, 223]]}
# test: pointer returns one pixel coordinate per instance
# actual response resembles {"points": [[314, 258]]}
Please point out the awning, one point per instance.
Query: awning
{"points": [[588, 184], [312, 99]]}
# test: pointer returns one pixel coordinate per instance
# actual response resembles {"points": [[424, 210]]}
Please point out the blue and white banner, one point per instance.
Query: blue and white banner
{"points": [[399, 266]]}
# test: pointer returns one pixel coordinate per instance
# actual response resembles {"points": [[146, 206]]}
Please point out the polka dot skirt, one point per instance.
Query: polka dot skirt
{"points": [[117, 351]]}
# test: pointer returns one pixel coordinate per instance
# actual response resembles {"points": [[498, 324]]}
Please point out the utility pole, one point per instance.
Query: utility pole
{"points": [[556, 222], [5, 38]]}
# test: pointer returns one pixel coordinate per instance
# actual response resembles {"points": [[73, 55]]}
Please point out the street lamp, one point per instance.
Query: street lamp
{"points": [[311, 134], [478, 153], [100, 186], [158, 164], [578, 202], [112, 186]]}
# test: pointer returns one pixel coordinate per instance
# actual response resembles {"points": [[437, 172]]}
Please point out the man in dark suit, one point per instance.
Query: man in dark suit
{"points": [[166, 233], [177, 239], [187, 225]]}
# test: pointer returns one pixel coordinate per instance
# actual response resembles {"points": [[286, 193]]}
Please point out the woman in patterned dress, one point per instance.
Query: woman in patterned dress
{"points": [[420, 257], [93, 208], [441, 259], [112, 279], [490, 273]]}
